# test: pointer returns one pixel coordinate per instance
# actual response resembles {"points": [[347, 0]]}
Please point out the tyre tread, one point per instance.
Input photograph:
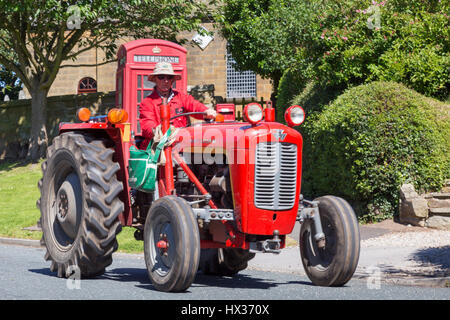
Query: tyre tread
{"points": [[182, 274], [345, 265], [93, 248]]}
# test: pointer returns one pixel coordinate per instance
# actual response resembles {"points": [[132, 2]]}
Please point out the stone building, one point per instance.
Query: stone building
{"points": [[209, 67]]}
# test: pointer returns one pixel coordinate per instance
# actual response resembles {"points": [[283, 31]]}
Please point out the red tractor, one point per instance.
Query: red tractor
{"points": [[226, 190]]}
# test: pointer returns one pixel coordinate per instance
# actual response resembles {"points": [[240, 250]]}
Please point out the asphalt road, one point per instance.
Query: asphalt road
{"points": [[25, 275]]}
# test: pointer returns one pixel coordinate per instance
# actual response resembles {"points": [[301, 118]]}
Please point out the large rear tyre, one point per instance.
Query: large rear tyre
{"points": [[224, 262], [79, 205], [171, 244], [334, 264]]}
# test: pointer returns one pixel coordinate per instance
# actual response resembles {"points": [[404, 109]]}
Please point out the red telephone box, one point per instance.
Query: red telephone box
{"points": [[136, 61]]}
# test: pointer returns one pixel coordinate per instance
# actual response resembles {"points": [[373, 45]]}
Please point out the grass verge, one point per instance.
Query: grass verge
{"points": [[18, 195]]}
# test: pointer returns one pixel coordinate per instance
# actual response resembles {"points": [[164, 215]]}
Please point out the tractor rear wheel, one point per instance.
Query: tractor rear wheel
{"points": [[334, 264], [79, 205], [224, 262], [171, 244]]}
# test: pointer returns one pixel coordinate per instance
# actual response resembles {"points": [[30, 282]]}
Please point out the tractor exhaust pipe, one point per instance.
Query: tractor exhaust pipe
{"points": [[168, 168]]}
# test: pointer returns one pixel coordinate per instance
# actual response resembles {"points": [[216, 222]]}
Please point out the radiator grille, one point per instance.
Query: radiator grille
{"points": [[275, 175]]}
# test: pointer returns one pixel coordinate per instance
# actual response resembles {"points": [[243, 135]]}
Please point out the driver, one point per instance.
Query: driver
{"points": [[163, 76]]}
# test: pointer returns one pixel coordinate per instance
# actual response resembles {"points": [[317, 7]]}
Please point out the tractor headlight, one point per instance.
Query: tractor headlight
{"points": [[253, 113], [294, 116]]}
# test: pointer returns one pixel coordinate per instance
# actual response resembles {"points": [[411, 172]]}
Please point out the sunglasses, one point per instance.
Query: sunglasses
{"points": [[165, 77]]}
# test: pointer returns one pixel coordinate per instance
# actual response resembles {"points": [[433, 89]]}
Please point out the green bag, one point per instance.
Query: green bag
{"points": [[142, 165]]}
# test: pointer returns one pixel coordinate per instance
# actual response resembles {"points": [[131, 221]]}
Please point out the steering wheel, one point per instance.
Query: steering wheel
{"points": [[187, 114]]}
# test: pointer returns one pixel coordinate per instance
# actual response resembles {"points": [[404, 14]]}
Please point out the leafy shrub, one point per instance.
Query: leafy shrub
{"points": [[295, 89], [291, 84], [371, 140], [310, 95], [315, 97]]}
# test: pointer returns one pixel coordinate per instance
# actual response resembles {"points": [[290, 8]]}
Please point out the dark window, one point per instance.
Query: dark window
{"points": [[87, 85]]}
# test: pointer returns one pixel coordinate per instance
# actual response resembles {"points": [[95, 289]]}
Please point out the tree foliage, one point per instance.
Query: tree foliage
{"points": [[343, 43], [394, 40], [9, 84], [43, 34]]}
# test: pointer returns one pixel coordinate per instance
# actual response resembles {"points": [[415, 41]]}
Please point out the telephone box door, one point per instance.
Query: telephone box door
{"points": [[137, 60]]}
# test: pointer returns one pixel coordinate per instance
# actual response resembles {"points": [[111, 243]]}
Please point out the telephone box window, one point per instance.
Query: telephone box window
{"points": [[144, 89], [145, 83], [87, 85], [120, 90]]}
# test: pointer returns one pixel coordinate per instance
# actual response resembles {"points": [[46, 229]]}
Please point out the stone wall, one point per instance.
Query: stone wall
{"points": [[204, 67], [427, 210], [15, 119]]}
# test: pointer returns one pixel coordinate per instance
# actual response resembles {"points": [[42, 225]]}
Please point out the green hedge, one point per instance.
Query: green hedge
{"points": [[296, 90], [314, 97], [291, 84], [371, 140]]}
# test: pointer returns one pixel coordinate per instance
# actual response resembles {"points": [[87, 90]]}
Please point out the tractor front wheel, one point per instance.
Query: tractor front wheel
{"points": [[335, 263], [171, 244], [79, 205]]}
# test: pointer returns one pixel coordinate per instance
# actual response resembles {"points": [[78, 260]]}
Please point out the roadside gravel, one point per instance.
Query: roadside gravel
{"points": [[410, 257], [425, 239]]}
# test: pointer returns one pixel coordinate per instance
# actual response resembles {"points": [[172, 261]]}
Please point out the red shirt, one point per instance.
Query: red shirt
{"points": [[149, 111]]}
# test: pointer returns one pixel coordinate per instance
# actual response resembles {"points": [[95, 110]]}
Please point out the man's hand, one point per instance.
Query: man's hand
{"points": [[157, 130], [210, 114]]}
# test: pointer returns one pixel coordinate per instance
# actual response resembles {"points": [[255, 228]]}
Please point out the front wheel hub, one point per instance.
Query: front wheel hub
{"points": [[163, 245]]}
